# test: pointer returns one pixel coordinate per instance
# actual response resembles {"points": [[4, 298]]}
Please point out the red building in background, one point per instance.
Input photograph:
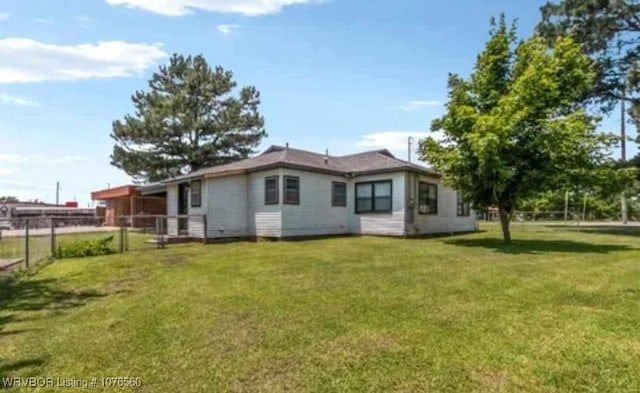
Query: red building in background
{"points": [[127, 202]]}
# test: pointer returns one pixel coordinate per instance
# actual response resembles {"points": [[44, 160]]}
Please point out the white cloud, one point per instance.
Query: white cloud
{"points": [[227, 29], [38, 158], [60, 160], [27, 60], [4, 16], [8, 171], [9, 99], [183, 7], [392, 140], [397, 142], [12, 158], [418, 105], [44, 21], [22, 185]]}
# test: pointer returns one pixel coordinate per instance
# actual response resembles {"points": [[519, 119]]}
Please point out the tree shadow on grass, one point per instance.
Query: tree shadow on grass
{"points": [[603, 230], [39, 294], [21, 298], [538, 246], [11, 368]]}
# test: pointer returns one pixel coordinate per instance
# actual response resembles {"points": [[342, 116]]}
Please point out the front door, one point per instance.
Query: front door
{"points": [[183, 209]]}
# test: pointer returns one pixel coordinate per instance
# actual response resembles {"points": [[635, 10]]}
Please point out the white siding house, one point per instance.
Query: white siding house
{"points": [[392, 223], [286, 193], [314, 215]]}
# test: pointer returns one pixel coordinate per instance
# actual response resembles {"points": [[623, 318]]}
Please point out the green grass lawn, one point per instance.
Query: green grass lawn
{"points": [[559, 311]]}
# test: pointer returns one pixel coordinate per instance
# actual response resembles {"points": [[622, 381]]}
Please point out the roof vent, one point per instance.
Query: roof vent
{"points": [[326, 156]]}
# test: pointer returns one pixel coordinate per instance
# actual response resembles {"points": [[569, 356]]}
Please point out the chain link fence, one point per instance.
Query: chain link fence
{"points": [[27, 242], [550, 220]]}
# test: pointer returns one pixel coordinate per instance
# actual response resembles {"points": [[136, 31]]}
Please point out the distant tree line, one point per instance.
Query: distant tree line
{"points": [[8, 199]]}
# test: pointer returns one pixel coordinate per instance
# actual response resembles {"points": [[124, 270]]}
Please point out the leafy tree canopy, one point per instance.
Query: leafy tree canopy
{"points": [[8, 199], [187, 120], [609, 31], [518, 125]]}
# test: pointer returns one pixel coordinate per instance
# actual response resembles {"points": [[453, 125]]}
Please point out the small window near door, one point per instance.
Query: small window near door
{"points": [[427, 198], [338, 194], [463, 207], [291, 190], [196, 193], [271, 190]]}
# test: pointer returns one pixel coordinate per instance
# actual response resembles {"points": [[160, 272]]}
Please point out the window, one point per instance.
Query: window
{"points": [[427, 198], [291, 190], [196, 194], [271, 190], [373, 197], [338, 194], [462, 206]]}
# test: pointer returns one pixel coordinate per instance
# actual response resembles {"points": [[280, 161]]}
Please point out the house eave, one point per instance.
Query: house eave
{"points": [[313, 169]]}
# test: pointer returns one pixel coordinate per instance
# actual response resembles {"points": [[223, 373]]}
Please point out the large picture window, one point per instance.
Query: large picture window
{"points": [[196, 193], [427, 198], [291, 190], [338, 194], [373, 197], [271, 190], [462, 206]]}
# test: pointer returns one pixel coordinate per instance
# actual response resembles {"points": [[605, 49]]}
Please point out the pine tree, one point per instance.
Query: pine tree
{"points": [[189, 119], [608, 31]]}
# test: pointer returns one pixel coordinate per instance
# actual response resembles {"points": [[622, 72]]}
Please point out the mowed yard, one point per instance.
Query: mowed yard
{"points": [[559, 311]]}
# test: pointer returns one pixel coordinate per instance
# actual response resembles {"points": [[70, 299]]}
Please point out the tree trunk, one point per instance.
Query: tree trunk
{"points": [[505, 221]]}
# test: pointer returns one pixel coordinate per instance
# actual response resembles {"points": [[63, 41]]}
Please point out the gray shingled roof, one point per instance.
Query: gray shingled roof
{"points": [[371, 162]]}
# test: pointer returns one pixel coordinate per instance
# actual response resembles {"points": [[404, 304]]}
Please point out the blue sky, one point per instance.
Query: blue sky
{"points": [[347, 75]]}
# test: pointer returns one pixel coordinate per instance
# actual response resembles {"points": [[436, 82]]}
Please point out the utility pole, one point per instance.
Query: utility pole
{"points": [[409, 148], [57, 193], [623, 133], [623, 154]]}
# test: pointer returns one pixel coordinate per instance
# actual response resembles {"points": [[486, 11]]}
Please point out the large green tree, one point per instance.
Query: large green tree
{"points": [[8, 199], [518, 126], [187, 120], [609, 31]]}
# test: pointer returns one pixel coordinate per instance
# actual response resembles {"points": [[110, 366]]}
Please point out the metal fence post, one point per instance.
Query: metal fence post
{"points": [[53, 238], [121, 235], [26, 243]]}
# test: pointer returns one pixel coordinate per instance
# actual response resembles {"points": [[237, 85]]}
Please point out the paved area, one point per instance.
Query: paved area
{"points": [[9, 263], [59, 231]]}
